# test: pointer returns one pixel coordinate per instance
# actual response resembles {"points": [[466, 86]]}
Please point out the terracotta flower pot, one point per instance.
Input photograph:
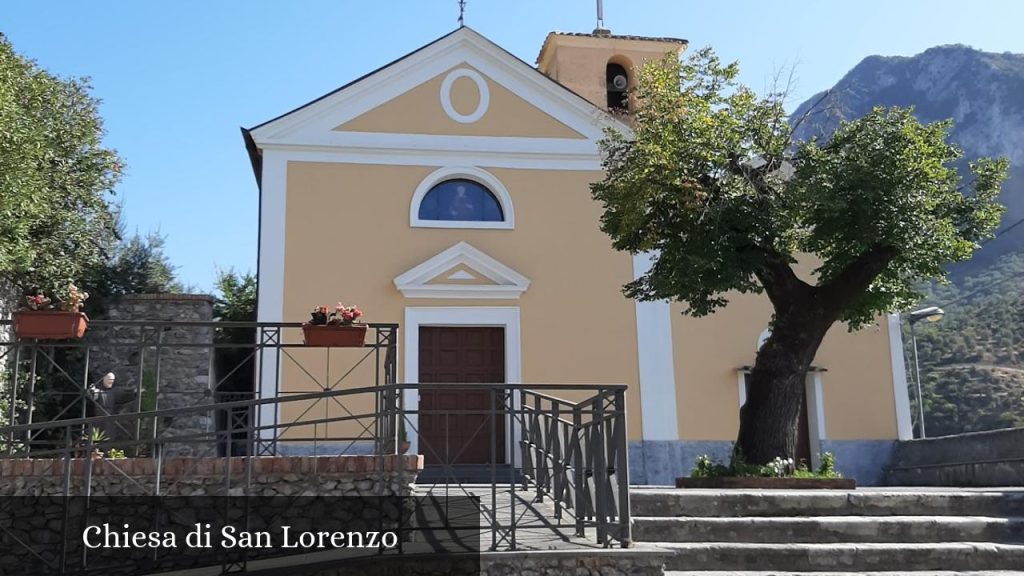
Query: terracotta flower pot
{"points": [[351, 336], [50, 324]]}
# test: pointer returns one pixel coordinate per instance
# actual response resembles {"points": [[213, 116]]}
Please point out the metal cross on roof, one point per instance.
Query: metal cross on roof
{"points": [[462, 13]]}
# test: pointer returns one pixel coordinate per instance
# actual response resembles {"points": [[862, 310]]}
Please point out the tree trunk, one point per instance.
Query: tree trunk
{"points": [[769, 419]]}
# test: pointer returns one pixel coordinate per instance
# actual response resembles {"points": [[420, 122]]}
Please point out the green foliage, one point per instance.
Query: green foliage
{"points": [[827, 468], [55, 177], [710, 180], [972, 362], [236, 303], [704, 467], [135, 264]]}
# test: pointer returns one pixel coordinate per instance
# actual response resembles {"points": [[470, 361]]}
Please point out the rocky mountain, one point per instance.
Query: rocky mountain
{"points": [[972, 363], [982, 92]]}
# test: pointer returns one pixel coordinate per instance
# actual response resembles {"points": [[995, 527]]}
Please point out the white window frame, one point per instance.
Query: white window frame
{"points": [[480, 176]]}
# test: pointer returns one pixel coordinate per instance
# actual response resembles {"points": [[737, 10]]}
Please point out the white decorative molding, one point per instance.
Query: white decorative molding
{"points": [[506, 317], [741, 383], [461, 275], [438, 156], [270, 304], [656, 363], [815, 417], [901, 396], [446, 95], [313, 125], [480, 176], [508, 284]]}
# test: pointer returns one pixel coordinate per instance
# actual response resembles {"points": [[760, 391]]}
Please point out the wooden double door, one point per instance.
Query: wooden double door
{"points": [[455, 425]]}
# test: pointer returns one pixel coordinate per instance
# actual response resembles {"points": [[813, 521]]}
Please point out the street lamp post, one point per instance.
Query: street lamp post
{"points": [[931, 314]]}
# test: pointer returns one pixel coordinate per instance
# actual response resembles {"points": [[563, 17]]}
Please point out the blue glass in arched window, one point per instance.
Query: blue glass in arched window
{"points": [[461, 200]]}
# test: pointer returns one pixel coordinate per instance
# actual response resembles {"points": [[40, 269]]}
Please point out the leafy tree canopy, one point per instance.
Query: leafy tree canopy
{"points": [[55, 176], [711, 180]]}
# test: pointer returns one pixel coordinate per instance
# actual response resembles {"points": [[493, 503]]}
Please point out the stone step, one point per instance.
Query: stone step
{"points": [[955, 556], [902, 573], [830, 529], [864, 502]]}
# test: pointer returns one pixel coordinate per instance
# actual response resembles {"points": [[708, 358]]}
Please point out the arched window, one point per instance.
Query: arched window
{"points": [[461, 198]]}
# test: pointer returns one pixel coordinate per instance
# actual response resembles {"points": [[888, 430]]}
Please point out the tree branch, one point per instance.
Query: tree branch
{"points": [[780, 282], [858, 275]]}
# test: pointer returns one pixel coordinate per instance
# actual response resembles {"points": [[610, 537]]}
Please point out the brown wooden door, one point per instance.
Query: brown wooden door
{"points": [[460, 355]]}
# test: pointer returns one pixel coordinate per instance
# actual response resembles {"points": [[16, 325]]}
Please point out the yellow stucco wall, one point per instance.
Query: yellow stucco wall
{"points": [[578, 62], [419, 111], [856, 389], [348, 236]]}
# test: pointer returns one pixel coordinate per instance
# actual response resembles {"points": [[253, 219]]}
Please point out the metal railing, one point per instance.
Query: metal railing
{"points": [[542, 448], [575, 453]]}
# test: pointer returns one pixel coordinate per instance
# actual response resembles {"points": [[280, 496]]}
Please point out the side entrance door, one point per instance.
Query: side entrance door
{"points": [[454, 423]]}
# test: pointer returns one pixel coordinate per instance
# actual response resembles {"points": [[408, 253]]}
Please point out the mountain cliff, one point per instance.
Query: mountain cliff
{"points": [[972, 363], [982, 92]]}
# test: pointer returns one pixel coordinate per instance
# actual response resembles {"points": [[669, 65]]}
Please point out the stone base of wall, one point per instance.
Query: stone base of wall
{"points": [[641, 560], [391, 475], [660, 462], [994, 458]]}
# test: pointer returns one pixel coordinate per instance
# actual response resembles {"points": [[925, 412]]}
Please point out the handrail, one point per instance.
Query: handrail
{"points": [[306, 397]]}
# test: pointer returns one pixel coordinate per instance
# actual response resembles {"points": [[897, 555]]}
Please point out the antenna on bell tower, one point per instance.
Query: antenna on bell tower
{"points": [[600, 19]]}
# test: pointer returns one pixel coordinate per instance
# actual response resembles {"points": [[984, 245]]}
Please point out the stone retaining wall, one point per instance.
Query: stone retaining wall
{"points": [[352, 493], [391, 475], [994, 458]]}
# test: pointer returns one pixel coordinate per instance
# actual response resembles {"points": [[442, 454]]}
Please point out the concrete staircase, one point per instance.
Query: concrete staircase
{"points": [[915, 531]]}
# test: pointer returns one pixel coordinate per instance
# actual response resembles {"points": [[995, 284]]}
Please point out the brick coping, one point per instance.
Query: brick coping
{"points": [[300, 465]]}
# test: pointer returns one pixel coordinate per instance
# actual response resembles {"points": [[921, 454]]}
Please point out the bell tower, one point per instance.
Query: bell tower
{"points": [[601, 66]]}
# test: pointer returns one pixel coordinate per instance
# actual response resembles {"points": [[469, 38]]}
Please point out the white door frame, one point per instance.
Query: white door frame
{"points": [[506, 317], [815, 408]]}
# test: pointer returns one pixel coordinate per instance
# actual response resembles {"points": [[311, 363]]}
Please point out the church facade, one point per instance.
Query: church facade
{"points": [[449, 192]]}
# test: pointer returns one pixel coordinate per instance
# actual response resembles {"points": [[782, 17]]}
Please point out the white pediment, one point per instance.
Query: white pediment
{"points": [[313, 125], [435, 278]]}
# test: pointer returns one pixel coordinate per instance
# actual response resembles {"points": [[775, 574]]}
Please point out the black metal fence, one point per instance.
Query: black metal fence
{"points": [[544, 449]]}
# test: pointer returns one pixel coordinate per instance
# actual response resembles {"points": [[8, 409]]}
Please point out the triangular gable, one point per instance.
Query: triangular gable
{"points": [[460, 101], [314, 124], [460, 274], [462, 271]]}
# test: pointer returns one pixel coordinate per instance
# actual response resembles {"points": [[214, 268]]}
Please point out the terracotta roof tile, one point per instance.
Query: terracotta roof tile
{"points": [[607, 34]]}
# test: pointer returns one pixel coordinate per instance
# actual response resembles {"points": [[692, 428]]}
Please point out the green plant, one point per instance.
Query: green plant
{"points": [[827, 468], [116, 454], [705, 467]]}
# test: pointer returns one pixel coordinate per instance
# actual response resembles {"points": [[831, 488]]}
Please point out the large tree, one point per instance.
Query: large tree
{"points": [[55, 177], [711, 183]]}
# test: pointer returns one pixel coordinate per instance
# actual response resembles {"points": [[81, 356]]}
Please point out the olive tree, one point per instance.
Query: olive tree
{"points": [[710, 182]]}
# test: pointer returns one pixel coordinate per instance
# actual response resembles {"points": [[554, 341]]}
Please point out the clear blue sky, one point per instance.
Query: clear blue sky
{"points": [[177, 79]]}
